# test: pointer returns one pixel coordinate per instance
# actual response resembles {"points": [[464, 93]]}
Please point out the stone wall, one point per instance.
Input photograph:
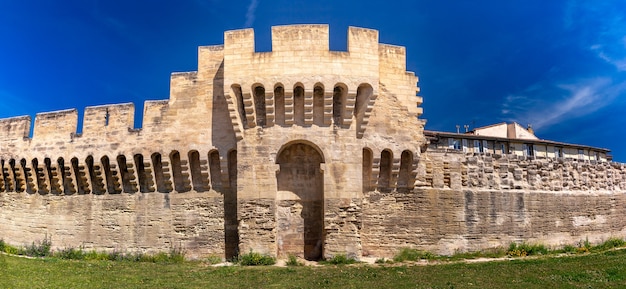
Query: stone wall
{"points": [[142, 222], [300, 150], [466, 202]]}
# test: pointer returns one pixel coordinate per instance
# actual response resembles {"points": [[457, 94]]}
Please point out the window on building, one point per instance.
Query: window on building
{"points": [[581, 154], [478, 146], [454, 144], [529, 150], [558, 152]]}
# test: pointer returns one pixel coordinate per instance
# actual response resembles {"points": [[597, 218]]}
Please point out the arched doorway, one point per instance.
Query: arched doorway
{"points": [[300, 202]]}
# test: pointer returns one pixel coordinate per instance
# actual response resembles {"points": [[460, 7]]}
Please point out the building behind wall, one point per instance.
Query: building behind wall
{"points": [[301, 151], [513, 139]]}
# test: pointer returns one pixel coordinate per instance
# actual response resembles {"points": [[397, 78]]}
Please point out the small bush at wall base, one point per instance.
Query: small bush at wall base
{"points": [[609, 244], [407, 254], [71, 254], [39, 249], [292, 260], [340, 259], [486, 253], [43, 249], [214, 259], [255, 259], [382, 261], [97, 256], [523, 250]]}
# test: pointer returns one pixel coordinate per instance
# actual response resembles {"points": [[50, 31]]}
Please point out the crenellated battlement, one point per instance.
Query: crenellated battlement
{"points": [[15, 128], [308, 47], [63, 124], [56, 124], [299, 65], [108, 118]]}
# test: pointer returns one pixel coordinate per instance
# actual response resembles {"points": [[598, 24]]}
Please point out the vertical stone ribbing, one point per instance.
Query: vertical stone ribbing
{"points": [[9, 177], [184, 169], [168, 182], [237, 123], [395, 172], [85, 178], [328, 104], [39, 174], [248, 106], [204, 172], [308, 106], [18, 177], [56, 186], [289, 107], [98, 183], [270, 110], [375, 170], [69, 181], [348, 108], [114, 182], [148, 184], [366, 115], [30, 185]]}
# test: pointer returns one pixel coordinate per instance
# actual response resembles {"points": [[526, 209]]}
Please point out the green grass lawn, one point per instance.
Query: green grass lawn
{"points": [[597, 270]]}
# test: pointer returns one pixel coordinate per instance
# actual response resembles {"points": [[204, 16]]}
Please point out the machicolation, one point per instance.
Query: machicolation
{"points": [[301, 151]]}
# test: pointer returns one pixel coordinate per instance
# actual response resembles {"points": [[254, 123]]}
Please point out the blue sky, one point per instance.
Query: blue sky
{"points": [[558, 65]]}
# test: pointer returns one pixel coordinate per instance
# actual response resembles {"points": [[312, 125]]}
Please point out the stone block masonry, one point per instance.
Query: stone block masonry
{"points": [[298, 151]]}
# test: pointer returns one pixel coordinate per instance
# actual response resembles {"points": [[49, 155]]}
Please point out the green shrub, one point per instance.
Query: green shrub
{"points": [[586, 244], [609, 244], [292, 260], [39, 249], [11, 250], [176, 255], [214, 259], [408, 254], [256, 259], [6, 248], [162, 257], [569, 249], [340, 259], [97, 256], [380, 261], [487, 253], [115, 256], [71, 254], [524, 249]]}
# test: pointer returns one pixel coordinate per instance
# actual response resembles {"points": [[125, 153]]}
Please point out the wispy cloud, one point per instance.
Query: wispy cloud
{"points": [[544, 105], [601, 27], [250, 14], [618, 62]]}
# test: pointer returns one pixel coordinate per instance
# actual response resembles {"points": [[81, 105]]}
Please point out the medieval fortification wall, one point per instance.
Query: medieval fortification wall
{"points": [[300, 150]]}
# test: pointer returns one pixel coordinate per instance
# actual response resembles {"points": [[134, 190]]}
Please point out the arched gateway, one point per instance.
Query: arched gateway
{"points": [[300, 201]]}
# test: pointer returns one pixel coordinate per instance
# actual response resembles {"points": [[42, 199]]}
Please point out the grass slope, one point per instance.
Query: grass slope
{"points": [[598, 270]]}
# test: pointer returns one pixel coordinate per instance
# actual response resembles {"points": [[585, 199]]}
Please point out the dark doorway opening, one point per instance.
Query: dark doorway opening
{"points": [[300, 202]]}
